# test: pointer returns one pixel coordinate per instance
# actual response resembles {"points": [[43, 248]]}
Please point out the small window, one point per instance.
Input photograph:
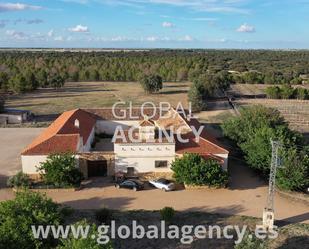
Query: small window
{"points": [[161, 164]]}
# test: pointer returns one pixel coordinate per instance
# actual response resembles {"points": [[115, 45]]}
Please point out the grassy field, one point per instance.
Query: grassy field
{"points": [[290, 236], [44, 102], [94, 95]]}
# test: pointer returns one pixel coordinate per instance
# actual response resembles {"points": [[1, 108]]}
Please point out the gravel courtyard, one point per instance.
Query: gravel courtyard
{"points": [[246, 194]]}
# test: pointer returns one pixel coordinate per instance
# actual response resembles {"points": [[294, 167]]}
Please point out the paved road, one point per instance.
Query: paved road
{"points": [[245, 196]]}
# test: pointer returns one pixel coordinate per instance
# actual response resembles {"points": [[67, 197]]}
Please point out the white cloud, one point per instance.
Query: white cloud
{"points": [[16, 34], [245, 28], [58, 38], [152, 38], [17, 7], [220, 6], [186, 38], [79, 29], [167, 25], [50, 33]]}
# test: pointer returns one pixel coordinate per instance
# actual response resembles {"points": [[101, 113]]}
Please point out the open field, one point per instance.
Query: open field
{"points": [[94, 95], [45, 103]]}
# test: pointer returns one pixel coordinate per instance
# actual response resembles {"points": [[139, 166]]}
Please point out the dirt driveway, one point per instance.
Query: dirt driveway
{"points": [[246, 194], [12, 141]]}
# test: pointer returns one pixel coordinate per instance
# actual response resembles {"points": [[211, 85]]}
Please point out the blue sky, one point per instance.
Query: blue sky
{"points": [[274, 24]]}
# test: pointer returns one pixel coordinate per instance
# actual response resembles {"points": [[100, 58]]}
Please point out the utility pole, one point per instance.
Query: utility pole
{"points": [[268, 213]]}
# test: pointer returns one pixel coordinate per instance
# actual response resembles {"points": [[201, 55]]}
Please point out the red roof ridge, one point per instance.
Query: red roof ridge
{"points": [[63, 126], [214, 144]]}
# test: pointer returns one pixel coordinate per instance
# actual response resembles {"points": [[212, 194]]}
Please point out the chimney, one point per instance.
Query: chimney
{"points": [[76, 123]]}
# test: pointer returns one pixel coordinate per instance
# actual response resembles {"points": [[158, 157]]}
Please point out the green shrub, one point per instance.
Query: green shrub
{"points": [[273, 92], [104, 215], [287, 92], [20, 180], [250, 241], [302, 93], [253, 130], [294, 175], [167, 214], [84, 243], [18, 215], [60, 171], [192, 169]]}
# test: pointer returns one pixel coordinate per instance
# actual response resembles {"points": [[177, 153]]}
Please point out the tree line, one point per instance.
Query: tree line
{"points": [[25, 71], [287, 92]]}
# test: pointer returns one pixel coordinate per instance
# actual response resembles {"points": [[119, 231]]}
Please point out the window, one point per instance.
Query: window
{"points": [[161, 164]]}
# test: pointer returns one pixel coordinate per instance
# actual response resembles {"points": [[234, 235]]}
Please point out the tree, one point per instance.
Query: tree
{"points": [[2, 104], [56, 81], [196, 99], [294, 175], [26, 210], [4, 78], [151, 83], [42, 78], [84, 243], [60, 170], [30, 80], [302, 93], [17, 83], [192, 169], [253, 130], [273, 92], [287, 92]]}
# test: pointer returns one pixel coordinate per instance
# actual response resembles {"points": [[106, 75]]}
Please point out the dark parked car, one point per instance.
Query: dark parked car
{"points": [[130, 184]]}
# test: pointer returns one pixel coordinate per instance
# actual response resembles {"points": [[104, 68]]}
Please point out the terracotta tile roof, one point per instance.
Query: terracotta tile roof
{"points": [[55, 144], [133, 114], [62, 135], [210, 156], [206, 138], [202, 146], [147, 122]]}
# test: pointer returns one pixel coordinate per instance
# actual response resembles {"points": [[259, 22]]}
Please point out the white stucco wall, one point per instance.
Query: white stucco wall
{"points": [[143, 156], [225, 157], [29, 163], [87, 146], [109, 126]]}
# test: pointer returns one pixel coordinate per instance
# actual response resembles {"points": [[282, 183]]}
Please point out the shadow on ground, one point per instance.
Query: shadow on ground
{"points": [[112, 203]]}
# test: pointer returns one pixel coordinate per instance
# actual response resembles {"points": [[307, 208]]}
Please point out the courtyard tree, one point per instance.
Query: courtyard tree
{"points": [[151, 83], [60, 170], [192, 169]]}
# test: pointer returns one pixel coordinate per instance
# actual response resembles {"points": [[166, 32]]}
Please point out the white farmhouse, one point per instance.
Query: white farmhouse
{"points": [[142, 148]]}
